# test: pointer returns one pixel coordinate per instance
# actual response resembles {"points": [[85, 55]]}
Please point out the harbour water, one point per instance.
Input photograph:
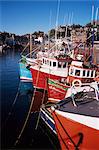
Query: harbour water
{"points": [[15, 102]]}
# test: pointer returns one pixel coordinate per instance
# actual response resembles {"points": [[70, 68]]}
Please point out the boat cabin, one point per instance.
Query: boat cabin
{"points": [[80, 73], [54, 63]]}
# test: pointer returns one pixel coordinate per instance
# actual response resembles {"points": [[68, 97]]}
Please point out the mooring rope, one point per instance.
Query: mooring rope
{"points": [[40, 108], [51, 141], [66, 132], [29, 112]]}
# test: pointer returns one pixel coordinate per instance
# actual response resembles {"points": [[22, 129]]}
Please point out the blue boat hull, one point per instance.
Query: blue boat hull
{"points": [[48, 120], [25, 73]]}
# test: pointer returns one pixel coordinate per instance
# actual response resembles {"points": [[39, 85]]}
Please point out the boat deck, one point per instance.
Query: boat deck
{"points": [[86, 104]]}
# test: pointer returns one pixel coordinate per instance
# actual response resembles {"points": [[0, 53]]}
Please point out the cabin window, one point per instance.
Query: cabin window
{"points": [[64, 65], [50, 63], [84, 72], [71, 71], [91, 73], [77, 72], [88, 73], [59, 64], [54, 64], [43, 61]]}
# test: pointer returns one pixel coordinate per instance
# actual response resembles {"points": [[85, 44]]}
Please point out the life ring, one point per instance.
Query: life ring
{"points": [[76, 83]]}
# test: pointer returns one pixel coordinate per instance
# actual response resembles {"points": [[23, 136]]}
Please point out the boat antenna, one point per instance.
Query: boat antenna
{"points": [[66, 31], [92, 23], [92, 15], [71, 22], [96, 19], [49, 29], [57, 19], [30, 44]]}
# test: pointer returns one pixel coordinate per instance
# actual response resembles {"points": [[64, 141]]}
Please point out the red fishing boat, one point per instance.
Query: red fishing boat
{"points": [[61, 65], [53, 65], [77, 75], [77, 121]]}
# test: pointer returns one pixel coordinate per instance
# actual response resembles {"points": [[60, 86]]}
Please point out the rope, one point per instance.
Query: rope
{"points": [[43, 130], [27, 117], [66, 131], [62, 139], [25, 48], [10, 112], [34, 50], [40, 107], [60, 134]]}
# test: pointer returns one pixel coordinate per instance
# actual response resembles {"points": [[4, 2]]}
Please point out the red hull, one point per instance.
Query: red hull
{"points": [[40, 78], [76, 131], [56, 90], [39, 99]]}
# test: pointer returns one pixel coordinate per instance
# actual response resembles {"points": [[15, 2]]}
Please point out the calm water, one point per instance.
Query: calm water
{"points": [[11, 124]]}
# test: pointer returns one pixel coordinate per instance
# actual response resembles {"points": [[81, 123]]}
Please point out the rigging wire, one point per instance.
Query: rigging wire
{"points": [[28, 114], [25, 48]]}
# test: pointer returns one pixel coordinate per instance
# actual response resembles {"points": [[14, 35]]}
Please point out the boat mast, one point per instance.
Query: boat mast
{"points": [[96, 18], [30, 45], [57, 20], [66, 31], [94, 50], [92, 24], [49, 29], [71, 23]]}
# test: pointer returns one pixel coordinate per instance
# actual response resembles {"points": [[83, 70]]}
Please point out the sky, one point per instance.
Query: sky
{"points": [[26, 16]]}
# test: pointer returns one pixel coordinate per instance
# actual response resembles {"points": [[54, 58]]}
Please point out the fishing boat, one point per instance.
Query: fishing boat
{"points": [[53, 65], [77, 120], [47, 117], [30, 59], [25, 74], [77, 75], [46, 113], [56, 91], [24, 64], [64, 65]]}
